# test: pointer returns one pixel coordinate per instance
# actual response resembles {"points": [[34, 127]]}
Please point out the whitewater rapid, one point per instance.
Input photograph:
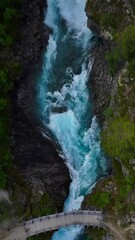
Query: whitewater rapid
{"points": [[65, 102]]}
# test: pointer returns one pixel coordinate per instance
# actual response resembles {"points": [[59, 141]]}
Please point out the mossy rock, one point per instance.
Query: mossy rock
{"points": [[95, 233], [5, 210], [45, 206], [42, 236]]}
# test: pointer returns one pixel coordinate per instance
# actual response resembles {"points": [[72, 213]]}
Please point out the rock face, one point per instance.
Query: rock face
{"points": [[34, 155], [93, 26], [101, 82]]}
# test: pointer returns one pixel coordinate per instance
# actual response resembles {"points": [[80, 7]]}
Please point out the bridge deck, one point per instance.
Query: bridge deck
{"points": [[56, 221]]}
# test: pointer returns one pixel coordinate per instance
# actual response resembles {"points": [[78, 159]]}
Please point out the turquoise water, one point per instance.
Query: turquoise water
{"points": [[65, 102]]}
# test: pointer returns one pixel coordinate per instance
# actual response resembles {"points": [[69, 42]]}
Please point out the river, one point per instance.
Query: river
{"points": [[65, 102]]}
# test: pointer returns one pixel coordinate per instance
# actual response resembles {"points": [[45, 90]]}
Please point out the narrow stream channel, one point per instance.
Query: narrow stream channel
{"points": [[65, 102]]}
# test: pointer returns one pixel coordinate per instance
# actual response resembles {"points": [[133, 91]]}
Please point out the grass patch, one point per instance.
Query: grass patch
{"points": [[118, 139]]}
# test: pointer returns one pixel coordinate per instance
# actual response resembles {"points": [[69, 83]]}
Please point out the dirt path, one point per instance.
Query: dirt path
{"points": [[115, 231], [17, 233], [131, 227]]}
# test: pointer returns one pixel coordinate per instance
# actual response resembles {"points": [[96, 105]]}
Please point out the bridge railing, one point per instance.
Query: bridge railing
{"points": [[78, 212], [47, 223]]}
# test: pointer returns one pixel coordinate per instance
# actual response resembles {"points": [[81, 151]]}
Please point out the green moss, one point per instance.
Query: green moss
{"points": [[99, 199], [109, 15], [118, 139], [4, 211], [44, 207], [95, 234], [108, 112], [124, 50], [131, 68]]}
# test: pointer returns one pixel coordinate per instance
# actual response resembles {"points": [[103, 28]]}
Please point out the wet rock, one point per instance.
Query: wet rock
{"points": [[93, 26], [59, 109]]}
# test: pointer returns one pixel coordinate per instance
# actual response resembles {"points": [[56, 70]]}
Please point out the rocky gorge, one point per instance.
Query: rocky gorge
{"points": [[39, 172]]}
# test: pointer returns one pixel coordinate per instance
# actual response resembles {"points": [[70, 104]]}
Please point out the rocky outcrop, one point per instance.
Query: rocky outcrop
{"points": [[38, 161], [93, 26], [101, 81], [35, 156]]}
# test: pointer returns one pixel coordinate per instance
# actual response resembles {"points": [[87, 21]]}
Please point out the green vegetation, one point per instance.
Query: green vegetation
{"points": [[95, 234], [41, 236], [110, 15], [115, 193], [124, 50], [131, 68], [4, 211], [118, 139], [44, 207], [9, 69], [108, 112], [101, 200], [9, 17]]}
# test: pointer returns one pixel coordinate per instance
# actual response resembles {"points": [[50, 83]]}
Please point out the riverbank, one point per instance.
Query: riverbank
{"points": [[115, 195]]}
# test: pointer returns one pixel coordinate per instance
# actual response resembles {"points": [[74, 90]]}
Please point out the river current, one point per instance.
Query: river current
{"points": [[65, 102]]}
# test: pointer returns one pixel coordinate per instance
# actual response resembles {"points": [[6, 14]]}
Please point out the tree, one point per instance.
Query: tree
{"points": [[9, 14], [118, 139]]}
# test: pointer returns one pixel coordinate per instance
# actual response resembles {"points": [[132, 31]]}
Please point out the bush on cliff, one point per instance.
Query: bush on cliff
{"points": [[118, 139], [9, 17], [124, 50], [131, 68]]}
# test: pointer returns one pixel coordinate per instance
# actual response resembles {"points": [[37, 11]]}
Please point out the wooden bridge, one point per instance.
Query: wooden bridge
{"points": [[56, 221]]}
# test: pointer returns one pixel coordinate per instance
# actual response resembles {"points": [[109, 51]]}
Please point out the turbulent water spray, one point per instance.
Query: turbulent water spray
{"points": [[64, 101]]}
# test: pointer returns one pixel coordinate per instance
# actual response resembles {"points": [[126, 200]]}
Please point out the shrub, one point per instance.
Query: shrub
{"points": [[118, 139], [3, 103], [100, 199], [5, 81], [108, 112], [9, 14], [124, 50], [131, 68]]}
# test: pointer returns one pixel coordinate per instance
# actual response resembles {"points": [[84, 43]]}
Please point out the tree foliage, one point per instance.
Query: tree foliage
{"points": [[9, 68], [9, 17], [118, 139]]}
